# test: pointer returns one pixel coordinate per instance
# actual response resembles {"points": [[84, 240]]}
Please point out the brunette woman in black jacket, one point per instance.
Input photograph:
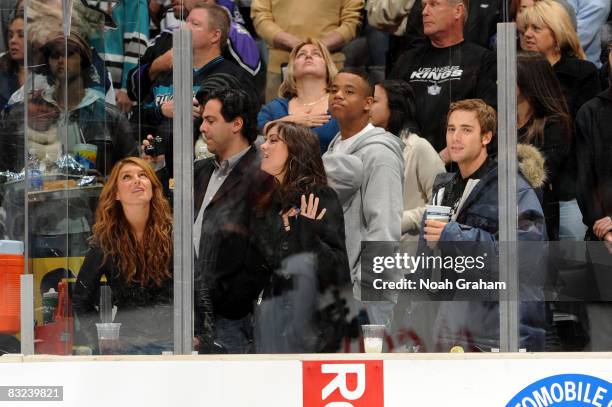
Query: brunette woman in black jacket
{"points": [[12, 73], [298, 239], [546, 28], [544, 122]]}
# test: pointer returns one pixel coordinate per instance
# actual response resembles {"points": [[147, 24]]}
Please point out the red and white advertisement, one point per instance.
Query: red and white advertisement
{"points": [[356, 383]]}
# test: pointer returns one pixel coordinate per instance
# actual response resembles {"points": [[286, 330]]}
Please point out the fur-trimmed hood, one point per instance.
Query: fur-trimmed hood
{"points": [[531, 164]]}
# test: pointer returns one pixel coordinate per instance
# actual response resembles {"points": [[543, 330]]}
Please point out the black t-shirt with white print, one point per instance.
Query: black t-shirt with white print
{"points": [[454, 190], [440, 76]]}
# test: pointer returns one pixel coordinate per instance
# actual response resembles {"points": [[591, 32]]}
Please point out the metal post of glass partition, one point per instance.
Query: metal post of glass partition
{"points": [[27, 281], [27, 314], [507, 170], [182, 140]]}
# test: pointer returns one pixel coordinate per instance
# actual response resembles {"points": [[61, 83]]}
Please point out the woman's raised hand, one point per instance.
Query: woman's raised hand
{"points": [[309, 209]]}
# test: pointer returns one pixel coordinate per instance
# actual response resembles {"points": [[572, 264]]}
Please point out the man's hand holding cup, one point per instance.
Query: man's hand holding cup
{"points": [[436, 218]]}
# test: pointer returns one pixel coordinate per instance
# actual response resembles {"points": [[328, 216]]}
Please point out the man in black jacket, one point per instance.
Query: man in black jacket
{"points": [[594, 192], [473, 228], [445, 68], [594, 143], [210, 29], [239, 49], [226, 190]]}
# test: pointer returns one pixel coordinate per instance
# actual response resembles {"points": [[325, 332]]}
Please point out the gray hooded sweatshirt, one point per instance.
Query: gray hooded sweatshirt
{"points": [[368, 179]]}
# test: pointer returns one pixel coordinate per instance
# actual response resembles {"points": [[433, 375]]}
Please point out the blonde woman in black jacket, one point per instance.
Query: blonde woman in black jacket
{"points": [[546, 28]]}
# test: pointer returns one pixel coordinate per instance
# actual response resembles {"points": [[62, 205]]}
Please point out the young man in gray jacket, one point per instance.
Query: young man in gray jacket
{"points": [[364, 164]]}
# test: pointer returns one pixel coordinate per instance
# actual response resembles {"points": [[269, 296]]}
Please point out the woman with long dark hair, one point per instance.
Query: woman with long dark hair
{"points": [[298, 240], [131, 246], [544, 122], [394, 109], [546, 27], [12, 72]]}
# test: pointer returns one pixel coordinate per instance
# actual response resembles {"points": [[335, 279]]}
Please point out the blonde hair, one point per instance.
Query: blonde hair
{"points": [[552, 15], [288, 88]]}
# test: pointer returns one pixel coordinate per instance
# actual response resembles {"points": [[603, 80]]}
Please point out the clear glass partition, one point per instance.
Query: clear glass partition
{"points": [[561, 113], [208, 245], [98, 243], [440, 306], [12, 202]]}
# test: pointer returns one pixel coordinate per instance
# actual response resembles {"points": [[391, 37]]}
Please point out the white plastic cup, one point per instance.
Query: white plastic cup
{"points": [[373, 336], [438, 212], [108, 338]]}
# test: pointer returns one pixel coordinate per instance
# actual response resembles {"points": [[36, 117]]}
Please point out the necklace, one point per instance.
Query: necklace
{"points": [[310, 106]]}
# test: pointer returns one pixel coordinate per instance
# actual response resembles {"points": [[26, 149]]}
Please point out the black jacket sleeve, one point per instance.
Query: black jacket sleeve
{"points": [[139, 81], [204, 322], [126, 144], [555, 150], [86, 296], [587, 86], [587, 191], [486, 88]]}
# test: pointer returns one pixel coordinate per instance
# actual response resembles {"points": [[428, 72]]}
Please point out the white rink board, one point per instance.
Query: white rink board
{"points": [[473, 380], [476, 383], [163, 383]]}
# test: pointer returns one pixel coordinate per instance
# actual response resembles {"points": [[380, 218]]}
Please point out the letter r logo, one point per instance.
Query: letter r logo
{"points": [[343, 383], [340, 381]]}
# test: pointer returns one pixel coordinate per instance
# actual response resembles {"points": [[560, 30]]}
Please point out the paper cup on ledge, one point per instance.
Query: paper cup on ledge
{"points": [[108, 338], [85, 154], [373, 336]]}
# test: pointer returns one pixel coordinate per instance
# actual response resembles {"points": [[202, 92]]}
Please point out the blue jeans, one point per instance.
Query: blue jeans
{"points": [[152, 348], [570, 221], [235, 335], [378, 45]]}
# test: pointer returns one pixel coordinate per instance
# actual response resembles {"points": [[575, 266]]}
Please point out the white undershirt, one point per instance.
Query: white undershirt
{"points": [[344, 145]]}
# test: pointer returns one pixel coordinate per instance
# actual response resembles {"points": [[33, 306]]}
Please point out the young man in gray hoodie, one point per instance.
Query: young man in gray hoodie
{"points": [[364, 164]]}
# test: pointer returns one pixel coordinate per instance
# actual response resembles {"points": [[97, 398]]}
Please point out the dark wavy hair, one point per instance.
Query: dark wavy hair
{"points": [[139, 262], [6, 62], [539, 85], [402, 106], [303, 168], [234, 103]]}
